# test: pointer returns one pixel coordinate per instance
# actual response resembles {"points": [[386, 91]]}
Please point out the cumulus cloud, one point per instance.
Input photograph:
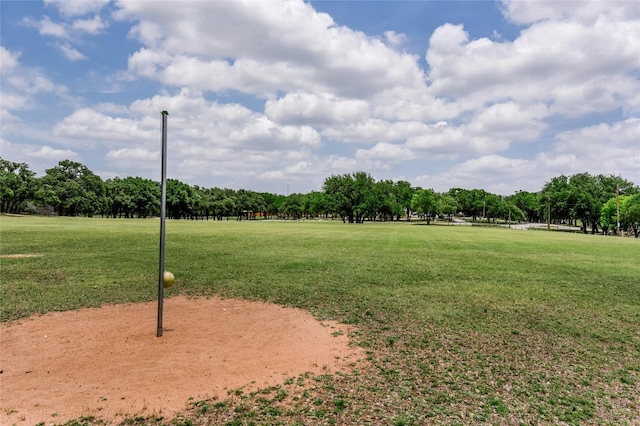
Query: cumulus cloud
{"points": [[205, 136], [8, 60], [316, 109], [47, 27], [69, 52], [375, 130], [91, 26], [12, 101], [73, 26], [509, 121], [489, 165], [395, 39], [67, 30], [140, 158], [588, 12], [35, 154], [455, 141], [184, 45], [572, 65], [603, 148], [497, 174], [386, 152], [76, 8], [22, 85]]}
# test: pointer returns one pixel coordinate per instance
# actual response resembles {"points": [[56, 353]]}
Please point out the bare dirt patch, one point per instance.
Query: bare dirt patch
{"points": [[19, 256], [108, 362]]}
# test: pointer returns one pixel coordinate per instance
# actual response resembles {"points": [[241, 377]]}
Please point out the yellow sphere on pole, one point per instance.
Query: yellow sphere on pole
{"points": [[169, 279]]}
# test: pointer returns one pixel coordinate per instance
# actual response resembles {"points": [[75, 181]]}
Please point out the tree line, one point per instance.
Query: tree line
{"points": [[72, 189]]}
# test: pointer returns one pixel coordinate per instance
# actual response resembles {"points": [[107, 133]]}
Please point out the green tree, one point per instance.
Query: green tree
{"points": [[316, 203], [347, 195], [610, 184], [404, 193], [581, 197], [528, 203], [248, 203], [447, 205], [629, 206], [180, 199], [555, 196], [201, 203], [494, 207], [609, 215], [585, 200], [389, 200], [472, 202], [504, 209], [18, 185], [423, 203], [132, 196], [77, 189], [293, 206], [630, 214], [223, 202], [120, 200], [272, 203]]}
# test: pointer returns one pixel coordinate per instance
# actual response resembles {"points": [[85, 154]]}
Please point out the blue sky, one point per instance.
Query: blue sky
{"points": [[278, 95]]}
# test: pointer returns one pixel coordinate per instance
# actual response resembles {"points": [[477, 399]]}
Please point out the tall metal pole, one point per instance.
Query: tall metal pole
{"points": [[618, 210], [163, 203]]}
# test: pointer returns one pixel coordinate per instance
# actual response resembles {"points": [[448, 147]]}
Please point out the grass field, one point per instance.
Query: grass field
{"points": [[461, 324]]}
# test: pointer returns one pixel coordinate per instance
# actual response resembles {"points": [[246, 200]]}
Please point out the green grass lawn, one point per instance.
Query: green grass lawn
{"points": [[461, 324]]}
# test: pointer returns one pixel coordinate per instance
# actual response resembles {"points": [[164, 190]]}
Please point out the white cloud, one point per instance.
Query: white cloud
{"points": [[47, 27], [375, 130], [16, 102], [70, 8], [494, 173], [588, 12], [622, 134], [35, 154], [509, 121], [260, 133], [67, 30], [49, 153], [183, 45], [316, 109], [573, 66], [395, 39], [455, 141], [610, 149], [86, 125], [21, 86], [416, 105], [8, 60], [91, 26], [69, 52], [490, 165], [603, 148], [386, 152], [139, 158], [203, 136], [72, 30]]}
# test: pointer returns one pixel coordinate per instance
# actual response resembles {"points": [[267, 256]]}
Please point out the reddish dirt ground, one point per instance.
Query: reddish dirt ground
{"points": [[108, 362]]}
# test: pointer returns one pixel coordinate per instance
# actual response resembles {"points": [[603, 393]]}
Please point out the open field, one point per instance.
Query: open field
{"points": [[461, 324]]}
